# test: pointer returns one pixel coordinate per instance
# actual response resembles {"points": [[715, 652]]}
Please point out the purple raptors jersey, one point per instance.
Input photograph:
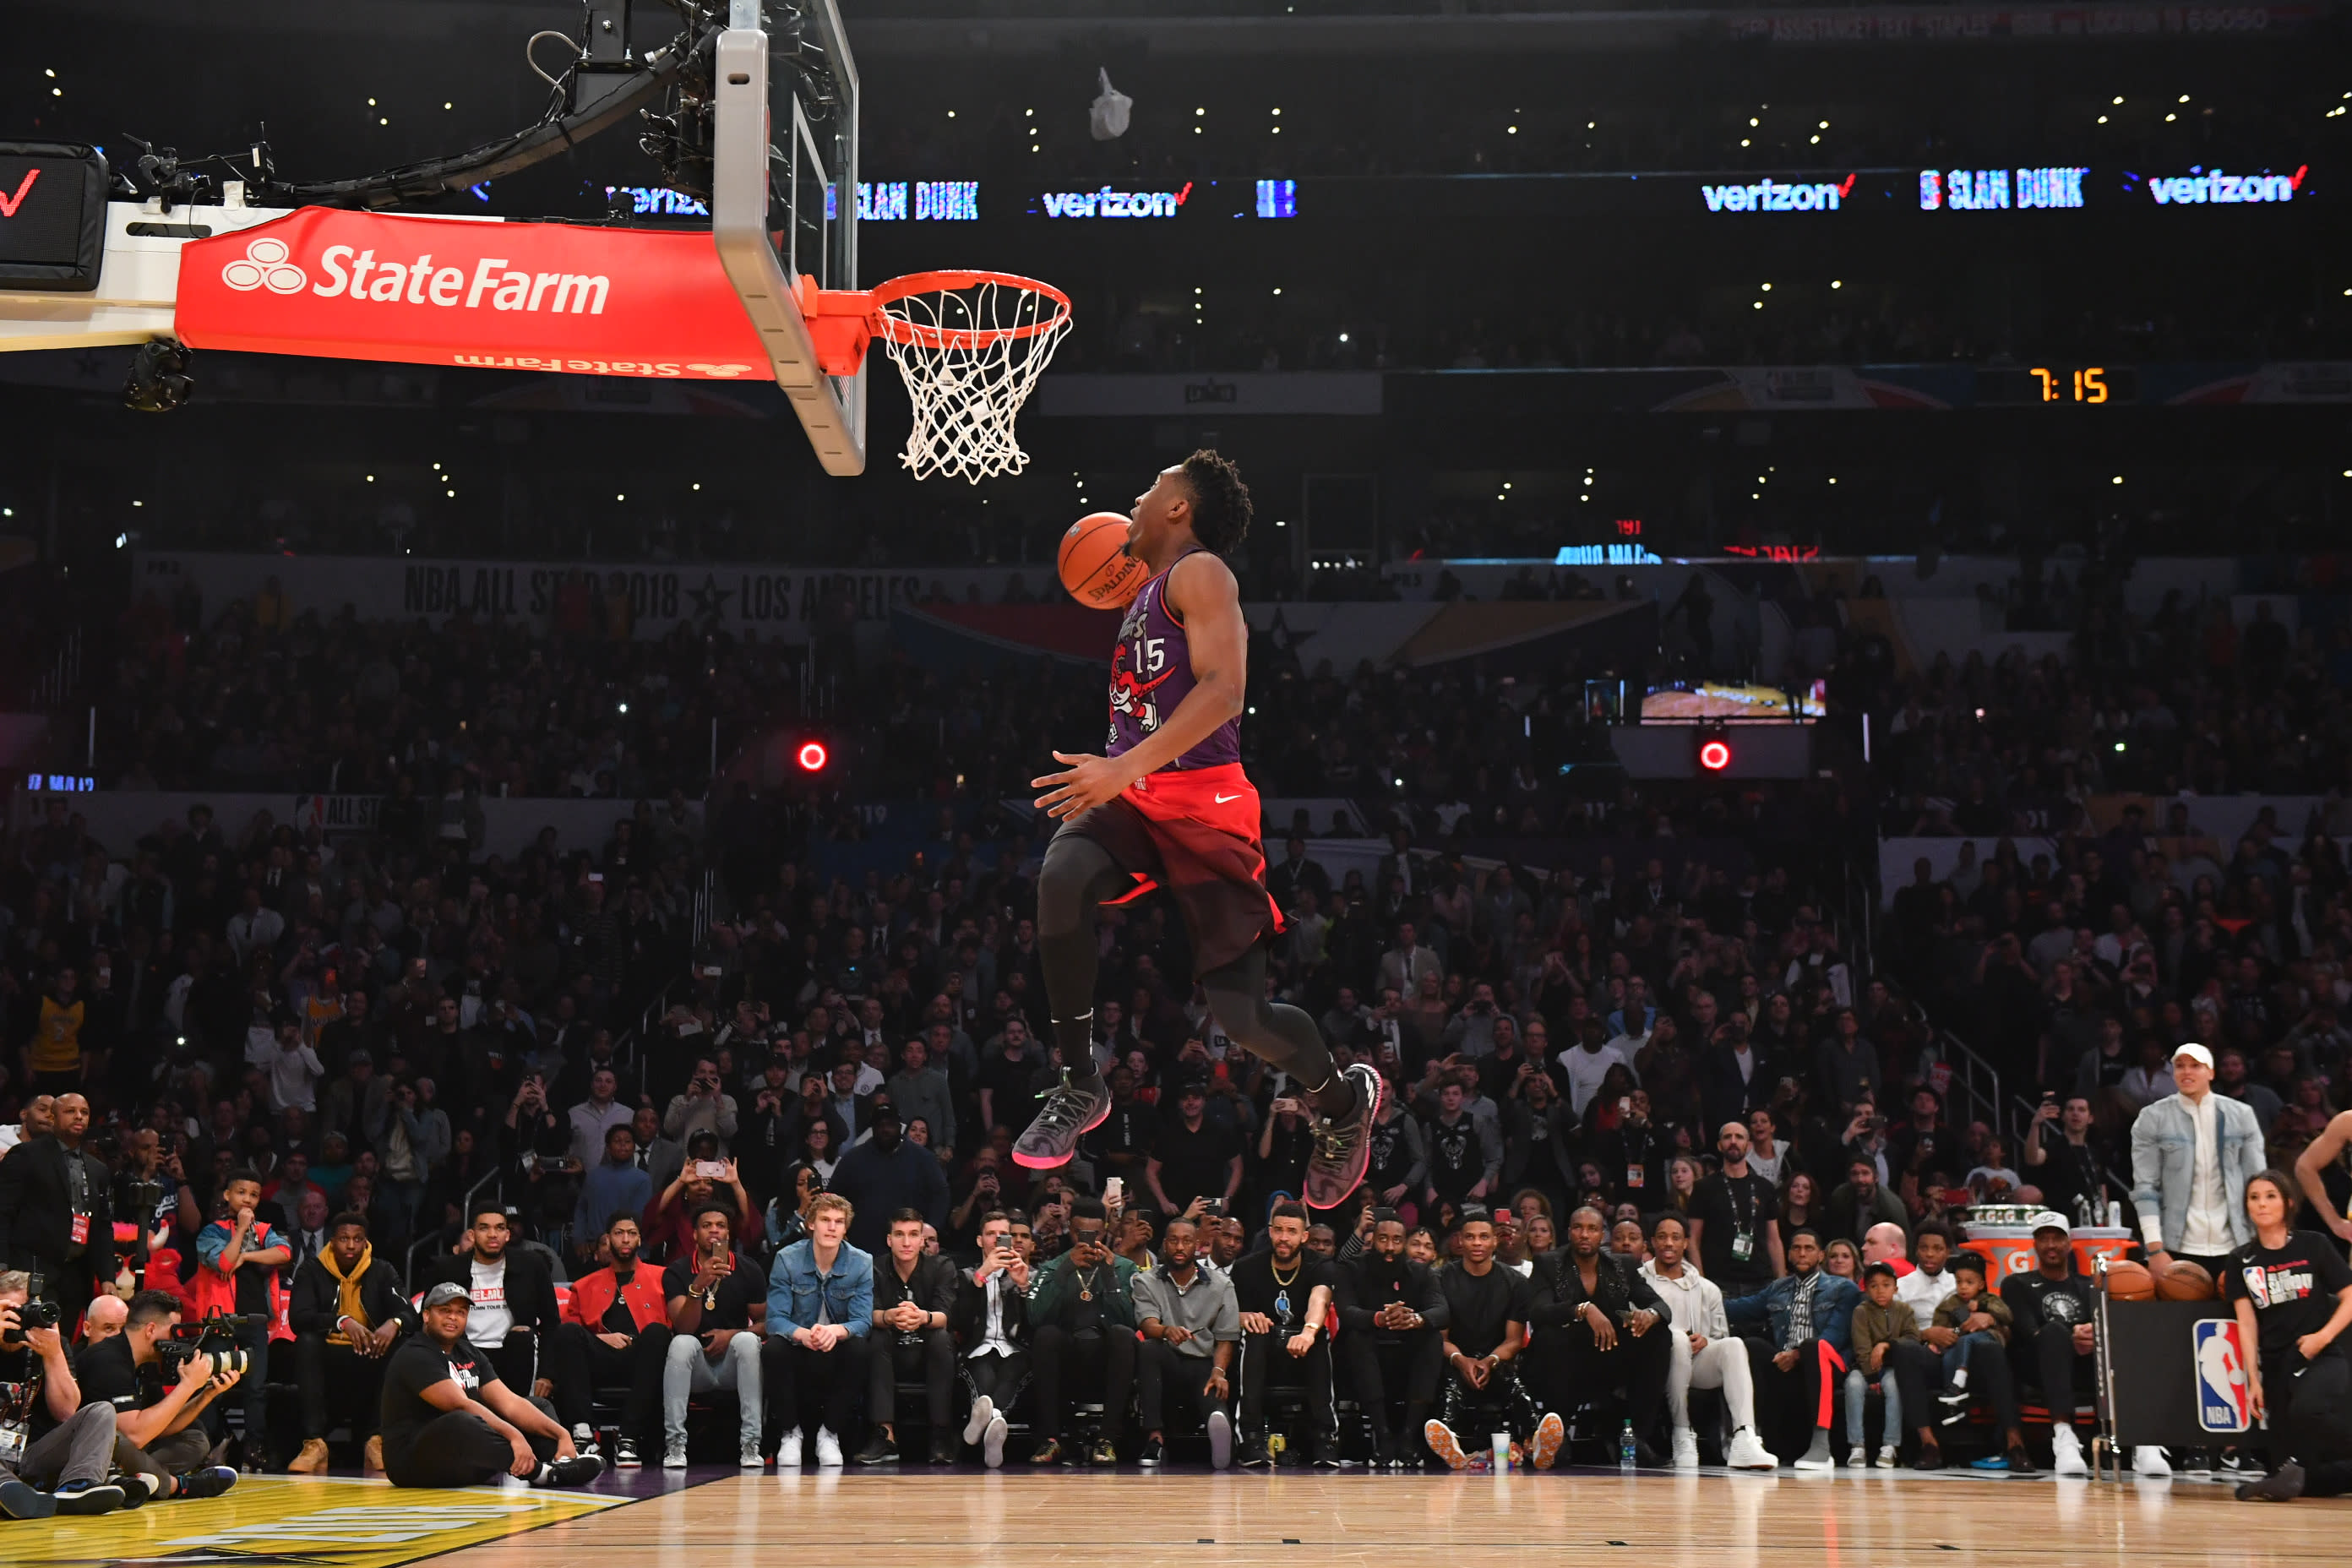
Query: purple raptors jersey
{"points": [[1150, 673]]}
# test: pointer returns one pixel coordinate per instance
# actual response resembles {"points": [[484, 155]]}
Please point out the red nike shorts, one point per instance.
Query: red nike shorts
{"points": [[1195, 833]]}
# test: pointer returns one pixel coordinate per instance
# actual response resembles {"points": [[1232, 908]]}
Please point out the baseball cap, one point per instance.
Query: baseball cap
{"points": [[883, 1110], [2195, 1053], [2049, 1219], [443, 1293]]}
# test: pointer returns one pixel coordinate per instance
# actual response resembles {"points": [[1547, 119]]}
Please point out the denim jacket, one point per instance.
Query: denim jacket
{"points": [[1834, 1300], [2164, 1164], [793, 1285]]}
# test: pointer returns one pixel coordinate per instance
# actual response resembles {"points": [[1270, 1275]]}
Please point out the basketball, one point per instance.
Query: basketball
{"points": [[2185, 1282], [2128, 1281], [1094, 563]]}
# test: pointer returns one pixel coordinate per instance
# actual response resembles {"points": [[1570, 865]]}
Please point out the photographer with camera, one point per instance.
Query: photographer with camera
{"points": [[56, 1222], [238, 1258], [511, 1294], [159, 1381], [616, 1329], [348, 1312], [449, 1420], [537, 1140], [50, 1442]]}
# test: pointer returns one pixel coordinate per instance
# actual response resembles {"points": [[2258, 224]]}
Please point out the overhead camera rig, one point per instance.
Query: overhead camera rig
{"points": [[107, 271]]}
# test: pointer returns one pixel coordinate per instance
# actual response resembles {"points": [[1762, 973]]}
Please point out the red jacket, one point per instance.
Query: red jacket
{"points": [[592, 1297]]}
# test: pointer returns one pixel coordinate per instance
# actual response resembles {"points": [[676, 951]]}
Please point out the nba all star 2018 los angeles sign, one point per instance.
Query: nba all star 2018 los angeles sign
{"points": [[514, 296]]}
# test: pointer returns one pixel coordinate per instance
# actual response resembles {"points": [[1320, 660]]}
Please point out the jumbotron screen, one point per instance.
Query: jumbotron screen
{"points": [[1721, 702]]}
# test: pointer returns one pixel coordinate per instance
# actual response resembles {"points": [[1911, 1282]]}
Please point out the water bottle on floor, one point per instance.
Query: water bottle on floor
{"points": [[1625, 1450]]}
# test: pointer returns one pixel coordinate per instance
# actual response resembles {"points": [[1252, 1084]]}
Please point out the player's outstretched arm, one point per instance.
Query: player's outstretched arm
{"points": [[1209, 605]]}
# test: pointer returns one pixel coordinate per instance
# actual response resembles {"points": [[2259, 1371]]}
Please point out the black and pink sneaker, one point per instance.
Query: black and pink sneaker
{"points": [[1343, 1149], [1069, 1113]]}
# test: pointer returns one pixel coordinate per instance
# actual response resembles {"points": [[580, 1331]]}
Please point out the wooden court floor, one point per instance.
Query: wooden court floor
{"points": [[1179, 1519]]}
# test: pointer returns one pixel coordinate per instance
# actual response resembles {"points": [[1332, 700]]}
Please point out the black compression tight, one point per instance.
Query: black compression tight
{"points": [[1079, 875]]}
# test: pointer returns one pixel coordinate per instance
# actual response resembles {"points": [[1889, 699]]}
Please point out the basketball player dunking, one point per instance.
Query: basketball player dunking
{"points": [[1169, 807]]}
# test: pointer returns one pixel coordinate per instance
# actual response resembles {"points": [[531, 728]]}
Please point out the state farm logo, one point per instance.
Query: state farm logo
{"points": [[264, 266]]}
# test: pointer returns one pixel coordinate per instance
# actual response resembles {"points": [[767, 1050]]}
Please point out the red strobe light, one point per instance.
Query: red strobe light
{"points": [[1714, 754], [812, 756]]}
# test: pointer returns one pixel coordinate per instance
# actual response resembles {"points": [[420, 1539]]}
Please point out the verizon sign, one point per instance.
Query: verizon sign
{"points": [[510, 296]]}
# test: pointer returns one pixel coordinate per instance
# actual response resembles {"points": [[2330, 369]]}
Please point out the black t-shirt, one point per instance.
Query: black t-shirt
{"points": [[1457, 1163], [2034, 1298], [1482, 1305], [2293, 1288], [109, 1375], [729, 1302], [1194, 1164], [1257, 1289], [1732, 1208], [415, 1366], [1008, 1085], [1126, 1131]]}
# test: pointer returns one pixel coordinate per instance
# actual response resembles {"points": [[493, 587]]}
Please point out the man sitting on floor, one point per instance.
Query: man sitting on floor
{"points": [[448, 1421]]}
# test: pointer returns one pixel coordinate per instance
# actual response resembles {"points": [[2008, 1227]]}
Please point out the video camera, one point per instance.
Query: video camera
{"points": [[215, 1336]]}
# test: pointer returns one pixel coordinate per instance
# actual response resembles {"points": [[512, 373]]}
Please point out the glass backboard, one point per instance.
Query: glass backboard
{"points": [[785, 139]]}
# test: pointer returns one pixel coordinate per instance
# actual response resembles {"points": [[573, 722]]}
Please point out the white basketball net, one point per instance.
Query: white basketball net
{"points": [[971, 352]]}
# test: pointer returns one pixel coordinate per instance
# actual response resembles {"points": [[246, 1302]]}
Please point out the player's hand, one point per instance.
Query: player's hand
{"points": [[542, 1388], [1785, 1360], [1089, 781], [2312, 1346], [526, 1463], [1299, 1344], [2255, 1388], [1256, 1323], [1176, 1333]]}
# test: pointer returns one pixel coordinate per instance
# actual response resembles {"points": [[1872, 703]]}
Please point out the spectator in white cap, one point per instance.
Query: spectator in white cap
{"points": [[2192, 1153]]}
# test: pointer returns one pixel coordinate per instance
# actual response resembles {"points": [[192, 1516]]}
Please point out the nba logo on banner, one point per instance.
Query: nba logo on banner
{"points": [[2224, 1404]]}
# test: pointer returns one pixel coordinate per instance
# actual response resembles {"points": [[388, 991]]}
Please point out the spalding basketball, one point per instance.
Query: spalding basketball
{"points": [[2129, 1281], [2185, 1282], [1095, 565]]}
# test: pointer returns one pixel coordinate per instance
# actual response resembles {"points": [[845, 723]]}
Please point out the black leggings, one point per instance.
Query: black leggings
{"points": [[1077, 877]]}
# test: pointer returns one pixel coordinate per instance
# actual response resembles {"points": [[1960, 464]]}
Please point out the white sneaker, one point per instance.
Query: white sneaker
{"points": [[788, 1452], [992, 1443], [2147, 1460], [1887, 1457], [2066, 1451], [828, 1448], [1685, 1448], [750, 1458], [583, 1437], [983, 1409], [1221, 1440], [674, 1453], [1747, 1453], [1817, 1459], [1857, 1458]]}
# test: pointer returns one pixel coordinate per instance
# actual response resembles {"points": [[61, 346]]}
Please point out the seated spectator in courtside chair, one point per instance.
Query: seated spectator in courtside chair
{"points": [[449, 1421], [512, 1294], [1082, 1316], [819, 1328], [914, 1294], [991, 1320], [238, 1262], [1880, 1322], [616, 1329], [1805, 1317], [348, 1312], [716, 1301]]}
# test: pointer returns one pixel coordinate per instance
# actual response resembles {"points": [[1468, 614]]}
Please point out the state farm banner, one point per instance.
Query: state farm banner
{"points": [[465, 291], [780, 602]]}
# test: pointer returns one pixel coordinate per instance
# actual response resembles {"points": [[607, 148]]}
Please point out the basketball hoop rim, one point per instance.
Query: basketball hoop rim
{"points": [[916, 334]]}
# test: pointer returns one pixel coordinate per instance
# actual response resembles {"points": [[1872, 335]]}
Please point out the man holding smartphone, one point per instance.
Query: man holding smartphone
{"points": [[716, 1302], [914, 1294], [1084, 1320], [991, 1321]]}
